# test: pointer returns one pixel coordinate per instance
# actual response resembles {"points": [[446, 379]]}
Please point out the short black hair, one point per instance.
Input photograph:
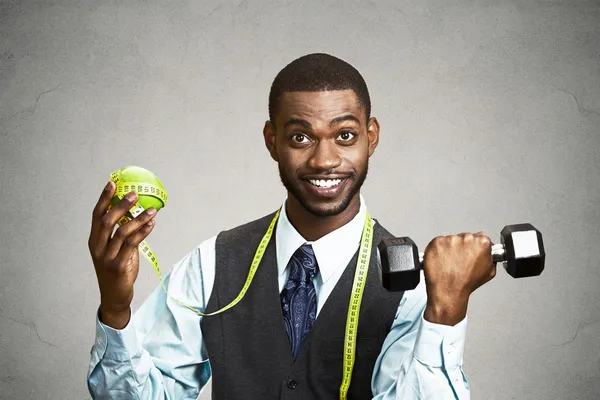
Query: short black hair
{"points": [[318, 72]]}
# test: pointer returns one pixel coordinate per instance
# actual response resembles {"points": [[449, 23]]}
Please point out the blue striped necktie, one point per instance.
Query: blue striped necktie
{"points": [[298, 297]]}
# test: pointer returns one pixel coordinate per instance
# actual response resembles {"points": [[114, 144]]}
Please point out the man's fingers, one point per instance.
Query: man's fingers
{"points": [[98, 212], [126, 235], [104, 200], [485, 238], [488, 242], [133, 241], [107, 222]]}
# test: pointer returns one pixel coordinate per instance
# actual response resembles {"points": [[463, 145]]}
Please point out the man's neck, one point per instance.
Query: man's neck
{"points": [[313, 227]]}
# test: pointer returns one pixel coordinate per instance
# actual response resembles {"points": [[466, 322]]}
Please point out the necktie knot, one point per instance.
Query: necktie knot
{"points": [[303, 264]]}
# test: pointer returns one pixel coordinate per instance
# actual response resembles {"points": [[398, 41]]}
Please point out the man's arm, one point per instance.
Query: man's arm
{"points": [[426, 345], [419, 359], [160, 353]]}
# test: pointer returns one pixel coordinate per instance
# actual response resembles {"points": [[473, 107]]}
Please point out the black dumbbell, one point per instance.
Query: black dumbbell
{"points": [[521, 249]]}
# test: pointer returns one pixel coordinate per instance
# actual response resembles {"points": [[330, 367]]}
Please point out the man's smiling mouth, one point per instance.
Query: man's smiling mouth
{"points": [[325, 183]]}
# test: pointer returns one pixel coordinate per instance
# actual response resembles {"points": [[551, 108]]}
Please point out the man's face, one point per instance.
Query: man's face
{"points": [[322, 143]]}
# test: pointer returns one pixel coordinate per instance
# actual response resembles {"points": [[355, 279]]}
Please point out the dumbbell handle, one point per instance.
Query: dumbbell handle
{"points": [[498, 253]]}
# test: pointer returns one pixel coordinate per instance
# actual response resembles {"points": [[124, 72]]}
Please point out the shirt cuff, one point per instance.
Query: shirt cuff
{"points": [[440, 345], [115, 344]]}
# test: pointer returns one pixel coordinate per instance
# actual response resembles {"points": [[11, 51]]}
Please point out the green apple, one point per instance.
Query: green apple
{"points": [[137, 174]]}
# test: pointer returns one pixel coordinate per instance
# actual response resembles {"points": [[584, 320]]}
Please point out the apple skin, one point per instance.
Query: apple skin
{"points": [[137, 174]]}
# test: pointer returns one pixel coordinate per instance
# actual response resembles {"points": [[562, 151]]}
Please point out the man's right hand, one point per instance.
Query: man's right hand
{"points": [[116, 258]]}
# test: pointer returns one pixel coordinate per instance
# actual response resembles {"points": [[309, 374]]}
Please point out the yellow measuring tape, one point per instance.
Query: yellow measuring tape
{"points": [[122, 188], [358, 285]]}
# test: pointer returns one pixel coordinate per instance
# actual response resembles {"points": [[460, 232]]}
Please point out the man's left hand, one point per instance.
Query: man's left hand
{"points": [[455, 266]]}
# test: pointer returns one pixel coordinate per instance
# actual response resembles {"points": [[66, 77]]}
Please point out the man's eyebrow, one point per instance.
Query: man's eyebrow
{"points": [[343, 118], [332, 123], [297, 121]]}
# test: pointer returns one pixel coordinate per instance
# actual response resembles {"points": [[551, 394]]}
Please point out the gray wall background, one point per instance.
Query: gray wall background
{"points": [[490, 115]]}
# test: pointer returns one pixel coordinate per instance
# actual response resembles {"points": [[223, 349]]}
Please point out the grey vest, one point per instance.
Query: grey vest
{"points": [[248, 347]]}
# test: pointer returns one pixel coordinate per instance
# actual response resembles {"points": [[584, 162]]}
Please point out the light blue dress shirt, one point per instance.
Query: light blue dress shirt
{"points": [[160, 354]]}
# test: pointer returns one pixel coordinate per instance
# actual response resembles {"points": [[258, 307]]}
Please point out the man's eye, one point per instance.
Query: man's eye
{"points": [[299, 138], [345, 136]]}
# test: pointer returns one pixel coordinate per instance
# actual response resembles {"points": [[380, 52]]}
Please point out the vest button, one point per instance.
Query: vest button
{"points": [[292, 384]]}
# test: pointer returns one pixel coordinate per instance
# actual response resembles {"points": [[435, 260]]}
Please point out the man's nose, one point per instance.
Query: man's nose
{"points": [[325, 156]]}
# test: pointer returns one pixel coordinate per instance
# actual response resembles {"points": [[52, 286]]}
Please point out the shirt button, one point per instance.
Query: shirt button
{"points": [[292, 384], [99, 339]]}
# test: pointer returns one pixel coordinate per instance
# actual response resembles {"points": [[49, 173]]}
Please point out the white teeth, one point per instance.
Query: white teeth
{"points": [[325, 183]]}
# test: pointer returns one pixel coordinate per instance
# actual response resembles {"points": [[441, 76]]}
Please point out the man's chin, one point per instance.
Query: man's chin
{"points": [[329, 208], [320, 211]]}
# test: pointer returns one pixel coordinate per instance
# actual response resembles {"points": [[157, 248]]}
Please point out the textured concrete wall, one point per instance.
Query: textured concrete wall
{"points": [[490, 115]]}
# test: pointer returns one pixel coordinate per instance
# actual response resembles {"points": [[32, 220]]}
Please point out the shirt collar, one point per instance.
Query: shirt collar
{"points": [[333, 251]]}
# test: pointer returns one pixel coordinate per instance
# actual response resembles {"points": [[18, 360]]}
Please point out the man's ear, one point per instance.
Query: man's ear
{"points": [[373, 134], [270, 136]]}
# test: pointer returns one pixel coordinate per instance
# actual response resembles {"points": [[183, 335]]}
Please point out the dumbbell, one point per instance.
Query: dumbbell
{"points": [[521, 249]]}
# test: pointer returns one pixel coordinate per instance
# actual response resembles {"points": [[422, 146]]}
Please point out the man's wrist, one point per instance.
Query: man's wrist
{"points": [[446, 310], [115, 319]]}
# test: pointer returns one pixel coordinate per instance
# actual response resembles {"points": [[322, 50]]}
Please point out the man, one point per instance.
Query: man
{"points": [[285, 338]]}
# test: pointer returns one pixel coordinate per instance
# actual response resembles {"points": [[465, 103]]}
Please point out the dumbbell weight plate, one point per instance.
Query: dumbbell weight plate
{"points": [[399, 268], [524, 247]]}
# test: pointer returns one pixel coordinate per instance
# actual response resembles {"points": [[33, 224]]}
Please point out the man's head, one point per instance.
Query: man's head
{"points": [[320, 132], [316, 73]]}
